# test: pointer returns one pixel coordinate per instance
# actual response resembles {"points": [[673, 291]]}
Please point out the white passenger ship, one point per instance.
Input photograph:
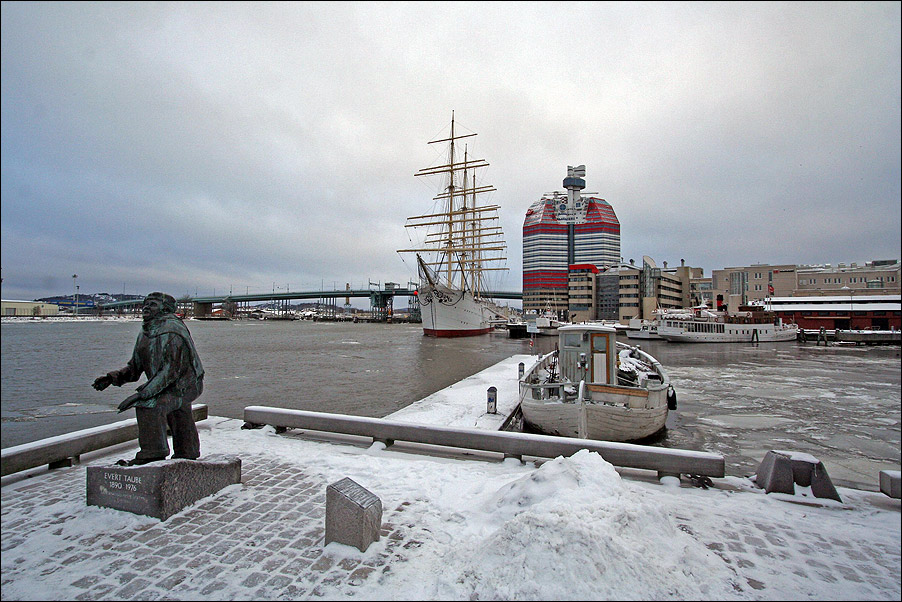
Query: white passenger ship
{"points": [[751, 324]]}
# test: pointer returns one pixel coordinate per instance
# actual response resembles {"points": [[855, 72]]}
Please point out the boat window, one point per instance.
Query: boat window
{"points": [[600, 344], [572, 339]]}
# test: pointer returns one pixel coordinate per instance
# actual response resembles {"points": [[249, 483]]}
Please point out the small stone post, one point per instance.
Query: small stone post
{"points": [[353, 514]]}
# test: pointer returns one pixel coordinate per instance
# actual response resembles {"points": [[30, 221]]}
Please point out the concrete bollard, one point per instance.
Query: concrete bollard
{"points": [[891, 483], [781, 471], [491, 405], [353, 514], [521, 370]]}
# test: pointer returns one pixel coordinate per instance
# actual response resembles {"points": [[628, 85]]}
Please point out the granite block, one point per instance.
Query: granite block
{"points": [[781, 471], [891, 483], [775, 474], [160, 489], [353, 514]]}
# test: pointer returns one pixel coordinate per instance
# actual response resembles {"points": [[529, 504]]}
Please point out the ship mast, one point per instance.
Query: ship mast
{"points": [[452, 190], [463, 238]]}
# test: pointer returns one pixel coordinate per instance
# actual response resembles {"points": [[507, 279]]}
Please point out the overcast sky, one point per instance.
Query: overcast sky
{"points": [[202, 148]]}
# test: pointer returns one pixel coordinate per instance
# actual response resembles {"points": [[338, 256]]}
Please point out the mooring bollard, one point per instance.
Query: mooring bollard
{"points": [[492, 403]]}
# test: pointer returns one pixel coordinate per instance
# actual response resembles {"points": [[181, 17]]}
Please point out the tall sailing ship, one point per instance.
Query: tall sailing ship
{"points": [[463, 240]]}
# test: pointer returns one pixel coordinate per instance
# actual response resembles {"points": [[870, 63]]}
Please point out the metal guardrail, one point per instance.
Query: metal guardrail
{"points": [[864, 337], [665, 461], [63, 449]]}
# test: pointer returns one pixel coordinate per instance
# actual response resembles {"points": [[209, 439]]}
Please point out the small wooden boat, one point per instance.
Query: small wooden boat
{"points": [[594, 387]]}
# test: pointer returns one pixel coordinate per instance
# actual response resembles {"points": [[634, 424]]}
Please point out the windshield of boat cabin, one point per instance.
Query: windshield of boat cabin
{"points": [[573, 339]]}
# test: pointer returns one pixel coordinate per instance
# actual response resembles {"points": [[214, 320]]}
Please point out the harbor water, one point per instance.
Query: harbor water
{"points": [[840, 404]]}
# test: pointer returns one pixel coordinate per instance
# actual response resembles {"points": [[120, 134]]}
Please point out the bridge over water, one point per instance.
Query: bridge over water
{"points": [[381, 299]]}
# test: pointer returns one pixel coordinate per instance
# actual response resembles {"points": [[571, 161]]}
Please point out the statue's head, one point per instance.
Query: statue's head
{"points": [[156, 304]]}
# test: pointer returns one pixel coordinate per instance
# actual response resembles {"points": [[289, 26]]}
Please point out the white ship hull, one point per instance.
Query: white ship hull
{"points": [[453, 313], [645, 332], [613, 414], [709, 332]]}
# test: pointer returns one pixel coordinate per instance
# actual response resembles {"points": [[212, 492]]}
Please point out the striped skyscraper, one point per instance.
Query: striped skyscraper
{"points": [[562, 229]]}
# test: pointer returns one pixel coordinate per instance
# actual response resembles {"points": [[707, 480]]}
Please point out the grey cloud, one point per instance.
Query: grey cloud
{"points": [[253, 143]]}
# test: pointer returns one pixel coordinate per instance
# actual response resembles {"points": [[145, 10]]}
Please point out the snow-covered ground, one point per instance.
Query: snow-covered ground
{"points": [[567, 528]]}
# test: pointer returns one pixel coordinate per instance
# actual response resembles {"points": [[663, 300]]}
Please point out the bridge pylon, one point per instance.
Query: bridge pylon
{"points": [[382, 301]]}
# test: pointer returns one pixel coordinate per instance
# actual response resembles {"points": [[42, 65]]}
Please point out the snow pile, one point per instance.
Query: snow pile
{"points": [[570, 529]]}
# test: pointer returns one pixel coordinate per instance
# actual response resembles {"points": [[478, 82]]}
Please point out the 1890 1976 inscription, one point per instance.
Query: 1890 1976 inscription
{"points": [[160, 489]]}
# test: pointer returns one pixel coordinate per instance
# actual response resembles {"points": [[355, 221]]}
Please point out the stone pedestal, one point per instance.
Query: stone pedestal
{"points": [[353, 515], [160, 489], [781, 471]]}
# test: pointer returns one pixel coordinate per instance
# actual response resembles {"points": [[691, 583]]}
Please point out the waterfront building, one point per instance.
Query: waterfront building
{"points": [[877, 277], [701, 292], [560, 230], [628, 291], [840, 312], [582, 288], [650, 288], [735, 286], [28, 308]]}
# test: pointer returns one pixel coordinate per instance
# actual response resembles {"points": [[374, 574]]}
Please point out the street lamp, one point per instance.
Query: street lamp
{"points": [[848, 292]]}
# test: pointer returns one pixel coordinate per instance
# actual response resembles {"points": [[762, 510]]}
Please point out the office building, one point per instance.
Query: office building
{"points": [[563, 229], [735, 286]]}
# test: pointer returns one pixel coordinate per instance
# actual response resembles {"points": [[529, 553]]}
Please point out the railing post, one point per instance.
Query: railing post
{"points": [[583, 426]]}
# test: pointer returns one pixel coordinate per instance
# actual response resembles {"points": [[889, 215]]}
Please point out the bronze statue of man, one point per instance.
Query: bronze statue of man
{"points": [[165, 354]]}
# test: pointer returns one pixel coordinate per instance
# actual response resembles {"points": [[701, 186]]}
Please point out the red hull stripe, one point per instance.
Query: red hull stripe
{"points": [[430, 332]]}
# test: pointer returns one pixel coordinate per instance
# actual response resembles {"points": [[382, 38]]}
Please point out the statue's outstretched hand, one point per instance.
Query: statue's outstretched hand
{"points": [[102, 382]]}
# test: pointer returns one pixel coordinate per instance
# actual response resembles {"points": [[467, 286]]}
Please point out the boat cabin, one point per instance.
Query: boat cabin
{"points": [[588, 351]]}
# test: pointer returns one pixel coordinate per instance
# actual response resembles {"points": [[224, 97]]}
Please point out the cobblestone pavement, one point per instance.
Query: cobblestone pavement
{"points": [[762, 550], [264, 539], [223, 547]]}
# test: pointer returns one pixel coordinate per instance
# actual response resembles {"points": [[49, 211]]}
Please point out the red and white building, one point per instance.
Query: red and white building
{"points": [[858, 312], [562, 229]]}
